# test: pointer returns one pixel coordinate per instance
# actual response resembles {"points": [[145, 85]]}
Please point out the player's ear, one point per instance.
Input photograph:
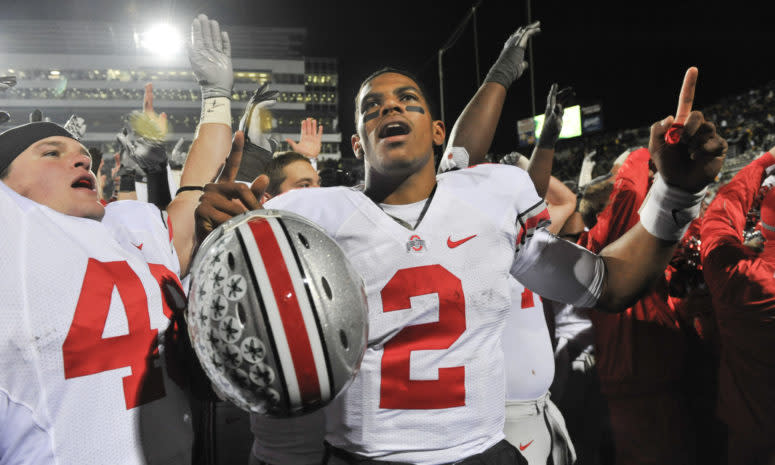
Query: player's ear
{"points": [[439, 132], [357, 147]]}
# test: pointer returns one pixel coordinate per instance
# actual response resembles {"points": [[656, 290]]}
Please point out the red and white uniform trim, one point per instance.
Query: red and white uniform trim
{"points": [[289, 311]]}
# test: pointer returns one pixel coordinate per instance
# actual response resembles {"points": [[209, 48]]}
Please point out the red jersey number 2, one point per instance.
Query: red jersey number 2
{"points": [[87, 352], [397, 390]]}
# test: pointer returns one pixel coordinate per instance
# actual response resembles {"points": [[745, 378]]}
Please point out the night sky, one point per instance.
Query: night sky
{"points": [[628, 56]]}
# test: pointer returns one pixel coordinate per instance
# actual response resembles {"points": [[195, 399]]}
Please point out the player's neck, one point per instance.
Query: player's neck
{"points": [[401, 190]]}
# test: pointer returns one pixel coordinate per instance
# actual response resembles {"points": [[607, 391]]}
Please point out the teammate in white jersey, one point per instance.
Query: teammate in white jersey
{"points": [[87, 294], [86, 297], [532, 423]]}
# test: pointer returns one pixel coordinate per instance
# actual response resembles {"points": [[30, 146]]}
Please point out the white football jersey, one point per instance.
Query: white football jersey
{"points": [[431, 385], [527, 346], [83, 378]]}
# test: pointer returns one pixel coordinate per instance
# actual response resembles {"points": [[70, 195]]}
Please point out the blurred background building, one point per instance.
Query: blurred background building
{"points": [[98, 71]]}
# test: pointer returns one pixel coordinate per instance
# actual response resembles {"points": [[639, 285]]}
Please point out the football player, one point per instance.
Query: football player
{"points": [[87, 295], [436, 261]]}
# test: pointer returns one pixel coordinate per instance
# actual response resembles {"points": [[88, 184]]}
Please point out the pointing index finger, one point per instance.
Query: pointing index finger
{"points": [[686, 99], [233, 161]]}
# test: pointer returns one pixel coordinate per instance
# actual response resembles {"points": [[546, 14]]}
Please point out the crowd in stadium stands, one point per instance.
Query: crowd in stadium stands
{"points": [[163, 94], [746, 121], [643, 302], [240, 77]]}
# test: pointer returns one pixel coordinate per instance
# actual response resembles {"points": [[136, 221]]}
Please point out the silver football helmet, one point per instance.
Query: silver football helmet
{"points": [[277, 314]]}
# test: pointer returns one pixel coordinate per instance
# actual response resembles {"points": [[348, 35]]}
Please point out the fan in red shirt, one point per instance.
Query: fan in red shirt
{"points": [[642, 352], [743, 290]]}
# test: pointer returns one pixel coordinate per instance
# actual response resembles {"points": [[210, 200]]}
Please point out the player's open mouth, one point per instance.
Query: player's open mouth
{"points": [[84, 182], [395, 128]]}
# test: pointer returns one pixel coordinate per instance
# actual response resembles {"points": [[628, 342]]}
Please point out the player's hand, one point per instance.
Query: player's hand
{"points": [[150, 155], [555, 108], [511, 63], [263, 97], [251, 121], [148, 123], [126, 147], [210, 56], [178, 155], [695, 161], [225, 199], [310, 142], [76, 126]]}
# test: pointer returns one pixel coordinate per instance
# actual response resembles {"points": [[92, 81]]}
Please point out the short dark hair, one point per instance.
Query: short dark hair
{"points": [[275, 169], [388, 69], [4, 173]]}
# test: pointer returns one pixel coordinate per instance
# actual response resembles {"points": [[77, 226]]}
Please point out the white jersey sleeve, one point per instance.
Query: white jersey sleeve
{"points": [[560, 270]]}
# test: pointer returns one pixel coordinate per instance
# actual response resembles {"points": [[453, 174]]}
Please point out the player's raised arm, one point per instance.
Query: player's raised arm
{"points": [[688, 158], [210, 57], [540, 166], [475, 127]]}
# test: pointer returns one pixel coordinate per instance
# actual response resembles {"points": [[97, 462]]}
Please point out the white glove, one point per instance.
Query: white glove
{"points": [[210, 56]]}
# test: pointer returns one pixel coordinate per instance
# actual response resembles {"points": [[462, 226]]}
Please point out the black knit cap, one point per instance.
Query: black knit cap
{"points": [[15, 141]]}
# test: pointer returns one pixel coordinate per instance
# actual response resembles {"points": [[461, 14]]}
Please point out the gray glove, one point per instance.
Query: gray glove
{"points": [[150, 155], [76, 126], [178, 155], [250, 123], [210, 58], [126, 149], [511, 63], [555, 108]]}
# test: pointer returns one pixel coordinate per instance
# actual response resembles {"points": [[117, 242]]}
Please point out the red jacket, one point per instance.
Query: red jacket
{"points": [[643, 349], [742, 284]]}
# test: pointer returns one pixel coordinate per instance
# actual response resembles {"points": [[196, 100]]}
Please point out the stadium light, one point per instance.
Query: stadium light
{"points": [[162, 39]]}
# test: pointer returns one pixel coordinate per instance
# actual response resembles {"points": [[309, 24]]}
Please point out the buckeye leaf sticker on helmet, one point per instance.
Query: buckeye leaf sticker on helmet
{"points": [[277, 314]]}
